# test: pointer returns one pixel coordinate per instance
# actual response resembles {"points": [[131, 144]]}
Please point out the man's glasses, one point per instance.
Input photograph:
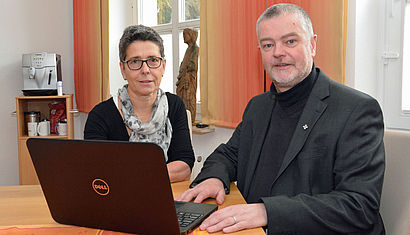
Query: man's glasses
{"points": [[136, 64]]}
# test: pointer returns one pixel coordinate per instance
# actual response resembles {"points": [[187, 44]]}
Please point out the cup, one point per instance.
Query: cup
{"points": [[43, 128], [61, 128], [32, 128]]}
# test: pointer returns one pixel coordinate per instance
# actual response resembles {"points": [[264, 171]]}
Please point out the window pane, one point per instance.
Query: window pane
{"points": [[164, 11], [153, 13], [406, 61], [191, 8], [182, 48], [167, 83]]}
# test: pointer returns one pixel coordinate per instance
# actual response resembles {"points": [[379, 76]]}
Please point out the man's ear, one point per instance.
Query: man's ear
{"points": [[313, 42]]}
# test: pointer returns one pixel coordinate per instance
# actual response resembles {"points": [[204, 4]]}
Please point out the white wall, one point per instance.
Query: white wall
{"points": [[28, 26]]}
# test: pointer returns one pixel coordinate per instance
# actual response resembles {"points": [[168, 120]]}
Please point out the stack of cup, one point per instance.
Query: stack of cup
{"points": [[32, 128], [32, 119], [38, 128]]}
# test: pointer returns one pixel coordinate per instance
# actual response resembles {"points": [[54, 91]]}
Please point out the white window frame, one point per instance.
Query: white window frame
{"points": [[391, 65], [174, 28]]}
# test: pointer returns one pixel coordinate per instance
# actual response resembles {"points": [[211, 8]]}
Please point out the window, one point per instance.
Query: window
{"points": [[169, 18], [395, 67]]}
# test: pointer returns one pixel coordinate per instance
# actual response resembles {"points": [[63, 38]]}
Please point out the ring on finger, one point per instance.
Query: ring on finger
{"points": [[234, 220]]}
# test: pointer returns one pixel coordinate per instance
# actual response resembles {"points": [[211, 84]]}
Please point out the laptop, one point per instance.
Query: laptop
{"points": [[111, 185]]}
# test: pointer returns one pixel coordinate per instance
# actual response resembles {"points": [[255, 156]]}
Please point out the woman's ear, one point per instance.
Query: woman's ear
{"points": [[164, 63], [122, 68]]}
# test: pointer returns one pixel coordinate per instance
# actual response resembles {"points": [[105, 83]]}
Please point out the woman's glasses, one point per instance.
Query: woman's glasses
{"points": [[136, 63]]}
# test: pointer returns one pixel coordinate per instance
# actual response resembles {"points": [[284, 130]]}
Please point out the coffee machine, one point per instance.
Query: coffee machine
{"points": [[41, 71]]}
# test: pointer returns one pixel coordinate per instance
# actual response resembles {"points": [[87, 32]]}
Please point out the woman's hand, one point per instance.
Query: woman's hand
{"points": [[178, 171]]}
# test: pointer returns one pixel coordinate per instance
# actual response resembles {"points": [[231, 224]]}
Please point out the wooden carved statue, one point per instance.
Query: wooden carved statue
{"points": [[187, 78]]}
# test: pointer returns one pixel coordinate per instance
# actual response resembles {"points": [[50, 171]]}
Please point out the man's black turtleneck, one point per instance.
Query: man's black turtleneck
{"points": [[288, 107]]}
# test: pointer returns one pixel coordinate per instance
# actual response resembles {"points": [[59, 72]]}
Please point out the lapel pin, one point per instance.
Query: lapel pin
{"points": [[305, 127]]}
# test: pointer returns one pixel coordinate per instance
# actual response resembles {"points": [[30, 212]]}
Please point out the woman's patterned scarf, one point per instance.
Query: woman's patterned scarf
{"points": [[158, 130]]}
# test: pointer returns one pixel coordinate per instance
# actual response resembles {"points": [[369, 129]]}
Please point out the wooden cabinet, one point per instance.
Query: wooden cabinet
{"points": [[24, 104]]}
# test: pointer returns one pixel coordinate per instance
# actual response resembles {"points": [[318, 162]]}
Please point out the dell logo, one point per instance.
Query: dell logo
{"points": [[100, 187]]}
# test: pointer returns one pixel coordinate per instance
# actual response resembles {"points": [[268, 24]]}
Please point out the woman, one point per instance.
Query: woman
{"points": [[142, 112]]}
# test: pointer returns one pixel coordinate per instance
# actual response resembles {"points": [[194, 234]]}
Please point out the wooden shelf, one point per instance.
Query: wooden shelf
{"points": [[54, 136], [49, 97], [24, 104]]}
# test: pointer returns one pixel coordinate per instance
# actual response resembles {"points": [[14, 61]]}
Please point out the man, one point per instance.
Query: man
{"points": [[308, 155]]}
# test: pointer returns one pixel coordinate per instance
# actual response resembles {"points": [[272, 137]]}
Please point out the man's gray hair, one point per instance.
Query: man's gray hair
{"points": [[282, 9], [135, 33]]}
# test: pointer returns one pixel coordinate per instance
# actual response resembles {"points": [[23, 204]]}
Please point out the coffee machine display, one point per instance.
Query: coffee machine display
{"points": [[41, 71]]}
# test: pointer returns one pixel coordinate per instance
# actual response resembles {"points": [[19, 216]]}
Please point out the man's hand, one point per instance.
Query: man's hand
{"points": [[209, 188], [235, 218]]}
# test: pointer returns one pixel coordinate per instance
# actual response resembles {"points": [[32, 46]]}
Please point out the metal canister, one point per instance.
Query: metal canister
{"points": [[32, 116]]}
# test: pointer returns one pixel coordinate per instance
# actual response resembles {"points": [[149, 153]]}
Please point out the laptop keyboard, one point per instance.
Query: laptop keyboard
{"points": [[185, 218]]}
